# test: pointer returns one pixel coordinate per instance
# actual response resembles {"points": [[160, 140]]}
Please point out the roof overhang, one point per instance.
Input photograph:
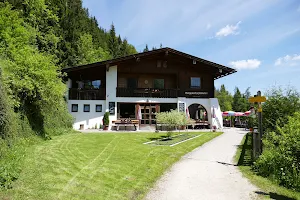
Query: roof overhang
{"points": [[221, 70]]}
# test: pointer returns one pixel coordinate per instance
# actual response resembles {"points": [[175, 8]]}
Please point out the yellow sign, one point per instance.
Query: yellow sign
{"points": [[257, 99]]}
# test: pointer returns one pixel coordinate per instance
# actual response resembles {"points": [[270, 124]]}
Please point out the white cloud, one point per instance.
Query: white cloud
{"points": [[290, 60], [228, 30], [245, 64]]}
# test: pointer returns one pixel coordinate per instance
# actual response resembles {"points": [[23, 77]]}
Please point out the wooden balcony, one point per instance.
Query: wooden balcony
{"points": [[147, 92], [86, 94]]}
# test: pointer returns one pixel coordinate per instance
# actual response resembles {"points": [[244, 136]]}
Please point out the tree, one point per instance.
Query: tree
{"points": [[113, 44], [31, 77], [246, 96], [172, 119], [87, 52], [238, 103], [225, 98], [146, 48], [280, 104]]}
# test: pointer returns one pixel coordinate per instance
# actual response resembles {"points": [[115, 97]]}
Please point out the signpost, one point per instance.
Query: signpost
{"points": [[257, 142]]}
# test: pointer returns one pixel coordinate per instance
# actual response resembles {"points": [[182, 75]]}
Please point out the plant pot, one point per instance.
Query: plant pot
{"points": [[105, 128], [214, 128]]}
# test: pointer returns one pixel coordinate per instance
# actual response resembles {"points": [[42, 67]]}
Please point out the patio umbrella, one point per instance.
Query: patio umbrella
{"points": [[247, 113], [139, 112], [228, 113], [239, 114]]}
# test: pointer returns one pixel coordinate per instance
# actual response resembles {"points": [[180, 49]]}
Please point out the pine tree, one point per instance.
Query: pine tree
{"points": [[113, 42], [224, 97], [238, 101], [146, 48]]}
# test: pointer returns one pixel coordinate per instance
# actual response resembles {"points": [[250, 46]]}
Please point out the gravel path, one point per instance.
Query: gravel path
{"points": [[208, 172]]}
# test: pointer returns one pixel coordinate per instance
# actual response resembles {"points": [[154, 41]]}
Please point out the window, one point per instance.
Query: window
{"points": [[99, 108], [74, 107], [132, 83], [195, 82], [96, 84], [159, 83], [86, 108]]}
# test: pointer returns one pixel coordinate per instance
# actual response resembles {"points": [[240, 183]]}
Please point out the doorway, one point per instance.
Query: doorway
{"points": [[148, 112]]}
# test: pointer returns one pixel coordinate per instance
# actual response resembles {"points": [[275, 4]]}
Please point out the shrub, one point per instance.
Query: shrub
{"points": [[106, 119], [281, 104], [172, 119], [280, 160]]}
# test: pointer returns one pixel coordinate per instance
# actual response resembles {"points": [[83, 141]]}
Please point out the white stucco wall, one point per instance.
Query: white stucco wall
{"points": [[88, 119], [111, 86], [204, 102], [214, 103]]}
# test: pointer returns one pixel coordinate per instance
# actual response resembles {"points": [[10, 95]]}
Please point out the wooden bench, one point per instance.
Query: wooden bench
{"points": [[202, 124], [132, 123]]}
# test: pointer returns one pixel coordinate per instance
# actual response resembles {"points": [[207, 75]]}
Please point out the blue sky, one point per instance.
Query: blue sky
{"points": [[261, 39]]}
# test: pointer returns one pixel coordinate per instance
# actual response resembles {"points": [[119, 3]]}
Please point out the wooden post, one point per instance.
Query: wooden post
{"points": [[260, 131], [257, 137]]}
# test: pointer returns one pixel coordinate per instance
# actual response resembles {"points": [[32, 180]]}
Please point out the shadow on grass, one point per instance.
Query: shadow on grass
{"points": [[246, 153], [162, 137], [274, 195]]}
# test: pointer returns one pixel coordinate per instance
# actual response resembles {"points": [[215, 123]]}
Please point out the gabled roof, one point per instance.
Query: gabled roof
{"points": [[222, 70]]}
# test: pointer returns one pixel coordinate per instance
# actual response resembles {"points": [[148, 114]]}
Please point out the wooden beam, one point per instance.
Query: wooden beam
{"points": [[107, 66]]}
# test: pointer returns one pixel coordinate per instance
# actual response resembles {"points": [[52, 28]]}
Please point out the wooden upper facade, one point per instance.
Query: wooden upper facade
{"points": [[162, 73]]}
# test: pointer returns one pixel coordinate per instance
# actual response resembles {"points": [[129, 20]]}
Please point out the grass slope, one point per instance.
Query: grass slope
{"points": [[271, 189], [96, 166]]}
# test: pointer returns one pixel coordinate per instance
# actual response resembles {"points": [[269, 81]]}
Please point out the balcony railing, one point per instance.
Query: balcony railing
{"points": [[147, 92], [87, 94]]}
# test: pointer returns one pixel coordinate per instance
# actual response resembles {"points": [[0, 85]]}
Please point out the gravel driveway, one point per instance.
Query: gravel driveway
{"points": [[208, 172]]}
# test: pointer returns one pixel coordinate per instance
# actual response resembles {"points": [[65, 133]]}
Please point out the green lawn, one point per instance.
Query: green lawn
{"points": [[96, 166], [270, 189]]}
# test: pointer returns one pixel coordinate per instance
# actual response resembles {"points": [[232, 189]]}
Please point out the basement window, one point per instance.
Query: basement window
{"points": [[98, 108], [86, 108], [74, 107]]}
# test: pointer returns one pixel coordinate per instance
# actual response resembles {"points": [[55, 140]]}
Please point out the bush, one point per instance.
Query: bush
{"points": [[106, 119], [281, 104], [280, 160], [172, 119]]}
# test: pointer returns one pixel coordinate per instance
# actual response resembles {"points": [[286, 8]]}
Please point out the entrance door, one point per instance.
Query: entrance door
{"points": [[148, 112]]}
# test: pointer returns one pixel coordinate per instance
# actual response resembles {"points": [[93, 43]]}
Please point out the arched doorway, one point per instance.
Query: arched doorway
{"points": [[198, 112]]}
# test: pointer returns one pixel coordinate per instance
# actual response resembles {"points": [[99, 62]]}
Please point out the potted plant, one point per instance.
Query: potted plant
{"points": [[214, 128], [106, 121]]}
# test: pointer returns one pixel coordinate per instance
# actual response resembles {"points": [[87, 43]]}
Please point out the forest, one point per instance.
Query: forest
{"points": [[37, 39]]}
